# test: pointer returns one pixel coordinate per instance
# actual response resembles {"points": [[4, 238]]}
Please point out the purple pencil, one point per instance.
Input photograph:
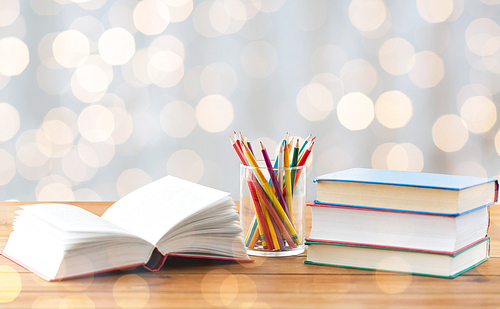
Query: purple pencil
{"points": [[275, 182]]}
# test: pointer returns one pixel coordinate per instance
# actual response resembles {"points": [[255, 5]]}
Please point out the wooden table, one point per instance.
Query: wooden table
{"points": [[266, 283]]}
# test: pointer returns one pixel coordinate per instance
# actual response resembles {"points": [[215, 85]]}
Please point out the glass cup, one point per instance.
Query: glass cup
{"points": [[273, 221]]}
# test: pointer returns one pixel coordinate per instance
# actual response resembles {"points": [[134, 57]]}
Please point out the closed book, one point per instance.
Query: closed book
{"points": [[398, 229], [406, 191], [170, 216], [398, 260]]}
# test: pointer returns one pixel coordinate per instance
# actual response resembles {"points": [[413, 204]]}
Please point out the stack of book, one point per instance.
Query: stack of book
{"points": [[420, 223]]}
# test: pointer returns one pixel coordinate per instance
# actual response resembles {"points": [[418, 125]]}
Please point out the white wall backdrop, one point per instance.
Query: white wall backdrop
{"points": [[100, 97]]}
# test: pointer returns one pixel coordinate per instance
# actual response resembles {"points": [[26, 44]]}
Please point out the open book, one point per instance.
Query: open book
{"points": [[168, 216]]}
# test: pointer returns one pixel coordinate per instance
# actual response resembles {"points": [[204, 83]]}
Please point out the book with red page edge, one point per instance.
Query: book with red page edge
{"points": [[314, 204], [160, 260]]}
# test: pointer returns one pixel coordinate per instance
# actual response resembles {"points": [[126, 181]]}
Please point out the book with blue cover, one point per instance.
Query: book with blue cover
{"points": [[406, 191]]}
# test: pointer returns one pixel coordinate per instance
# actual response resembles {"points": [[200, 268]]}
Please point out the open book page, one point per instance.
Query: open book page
{"points": [[74, 219], [151, 211]]}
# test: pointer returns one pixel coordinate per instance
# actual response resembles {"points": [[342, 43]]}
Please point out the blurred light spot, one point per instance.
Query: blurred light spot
{"points": [[380, 31], [54, 188], [308, 15], [355, 111], [405, 157], [450, 133], [185, 164], [123, 125], [66, 115], [96, 123], [428, 69], [479, 34], [71, 48], [75, 168], [151, 16], [214, 113], [211, 284], [28, 151], [131, 180], [332, 290], [479, 113], [178, 119], [54, 138], [116, 46], [165, 68], [3, 81], [257, 27], [218, 78], [135, 72], [332, 83], [358, 76], [491, 2], [435, 37], [167, 42], [46, 301], [219, 18], [470, 168], [90, 81], [238, 291], [472, 90], [259, 59], [367, 15], [45, 7], [314, 102], [202, 20], [328, 58], [121, 16], [268, 6], [77, 301], [86, 194], [45, 52], [393, 109], [91, 78], [390, 283], [91, 27], [96, 154], [379, 156], [9, 121], [10, 284], [396, 56], [14, 56], [179, 9], [57, 132], [9, 11], [7, 170], [435, 11], [122, 291]]}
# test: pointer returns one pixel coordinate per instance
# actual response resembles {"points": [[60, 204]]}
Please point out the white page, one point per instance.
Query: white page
{"points": [[71, 218], [151, 211]]}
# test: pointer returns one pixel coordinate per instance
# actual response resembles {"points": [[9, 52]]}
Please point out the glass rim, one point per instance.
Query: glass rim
{"points": [[262, 166]]}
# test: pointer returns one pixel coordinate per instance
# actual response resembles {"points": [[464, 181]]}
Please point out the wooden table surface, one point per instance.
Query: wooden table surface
{"points": [[266, 283]]}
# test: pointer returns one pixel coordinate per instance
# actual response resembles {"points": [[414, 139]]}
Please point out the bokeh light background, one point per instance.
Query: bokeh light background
{"points": [[100, 97]]}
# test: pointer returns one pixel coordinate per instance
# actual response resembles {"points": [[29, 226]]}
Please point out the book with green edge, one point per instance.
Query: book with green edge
{"points": [[398, 260]]}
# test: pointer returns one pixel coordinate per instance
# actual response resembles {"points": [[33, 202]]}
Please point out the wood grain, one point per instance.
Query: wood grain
{"points": [[266, 283]]}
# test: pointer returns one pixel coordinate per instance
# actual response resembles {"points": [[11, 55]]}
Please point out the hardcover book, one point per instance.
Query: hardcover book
{"points": [[398, 260], [406, 191], [446, 234], [168, 216]]}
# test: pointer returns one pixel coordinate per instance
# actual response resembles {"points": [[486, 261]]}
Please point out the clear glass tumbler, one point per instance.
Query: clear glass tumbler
{"points": [[273, 216]]}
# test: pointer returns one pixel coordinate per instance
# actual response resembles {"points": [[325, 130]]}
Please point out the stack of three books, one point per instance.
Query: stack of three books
{"points": [[420, 223]]}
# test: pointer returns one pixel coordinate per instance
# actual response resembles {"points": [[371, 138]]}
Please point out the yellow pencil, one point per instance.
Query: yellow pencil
{"points": [[274, 200], [288, 183]]}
